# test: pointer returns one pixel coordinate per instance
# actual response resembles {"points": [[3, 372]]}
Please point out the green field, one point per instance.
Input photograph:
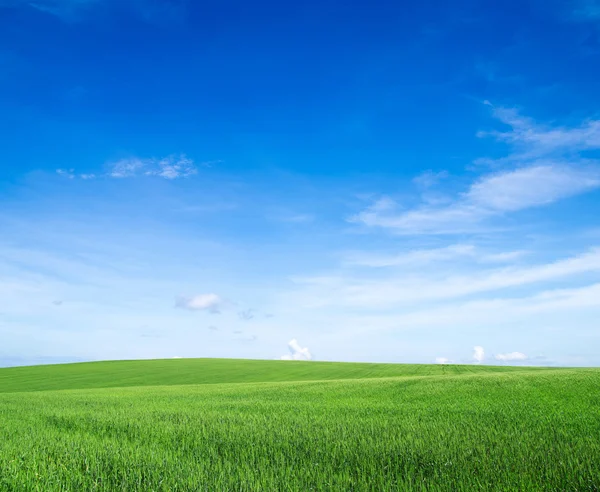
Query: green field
{"points": [[203, 424]]}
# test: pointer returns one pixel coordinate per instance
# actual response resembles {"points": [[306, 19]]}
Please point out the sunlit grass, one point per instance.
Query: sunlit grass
{"points": [[434, 428]]}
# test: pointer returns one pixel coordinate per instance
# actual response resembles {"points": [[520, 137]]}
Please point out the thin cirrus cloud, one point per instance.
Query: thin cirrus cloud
{"points": [[211, 303], [545, 167], [490, 196], [429, 178], [67, 10], [401, 289], [170, 167], [421, 257], [511, 357], [71, 11], [531, 140]]}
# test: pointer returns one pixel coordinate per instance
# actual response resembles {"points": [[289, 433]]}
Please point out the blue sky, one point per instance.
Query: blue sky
{"points": [[380, 181]]}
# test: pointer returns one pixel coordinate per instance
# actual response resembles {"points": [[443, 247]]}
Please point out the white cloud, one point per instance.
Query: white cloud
{"points": [[202, 302], [530, 187], [491, 195], [171, 167], [297, 352], [429, 178], [545, 167], [67, 173], [421, 257], [478, 354], [499, 311], [442, 360], [298, 218], [512, 356], [504, 257], [401, 289], [414, 257], [532, 140], [126, 168]]}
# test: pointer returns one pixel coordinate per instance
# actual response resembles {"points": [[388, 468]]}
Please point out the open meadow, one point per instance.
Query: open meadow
{"points": [[274, 425]]}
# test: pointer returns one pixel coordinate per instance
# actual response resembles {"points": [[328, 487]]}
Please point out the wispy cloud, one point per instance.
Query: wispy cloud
{"points": [[67, 10], [421, 257], [211, 303], [126, 168], [490, 196], [155, 11], [415, 257], [442, 360], [67, 173], [511, 357], [531, 140], [170, 167], [429, 178], [586, 10], [297, 352], [399, 289], [546, 166], [530, 187]]}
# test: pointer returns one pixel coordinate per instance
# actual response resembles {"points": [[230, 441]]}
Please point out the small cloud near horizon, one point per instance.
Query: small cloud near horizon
{"points": [[211, 303], [478, 354], [512, 356], [297, 352]]}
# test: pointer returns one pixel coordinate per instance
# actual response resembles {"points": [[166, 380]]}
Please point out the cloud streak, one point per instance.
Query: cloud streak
{"points": [[170, 168], [511, 357], [77, 10], [490, 196], [400, 289], [545, 166], [67, 10]]}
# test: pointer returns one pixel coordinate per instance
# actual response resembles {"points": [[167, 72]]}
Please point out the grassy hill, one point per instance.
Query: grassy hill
{"points": [[152, 425], [167, 372]]}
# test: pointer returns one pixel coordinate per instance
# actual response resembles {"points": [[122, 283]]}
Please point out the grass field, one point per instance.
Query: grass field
{"points": [[272, 425]]}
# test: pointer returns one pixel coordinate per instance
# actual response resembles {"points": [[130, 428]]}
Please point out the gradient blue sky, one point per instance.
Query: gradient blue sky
{"points": [[379, 181]]}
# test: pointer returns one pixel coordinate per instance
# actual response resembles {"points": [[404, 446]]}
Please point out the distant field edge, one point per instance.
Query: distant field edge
{"points": [[169, 372]]}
